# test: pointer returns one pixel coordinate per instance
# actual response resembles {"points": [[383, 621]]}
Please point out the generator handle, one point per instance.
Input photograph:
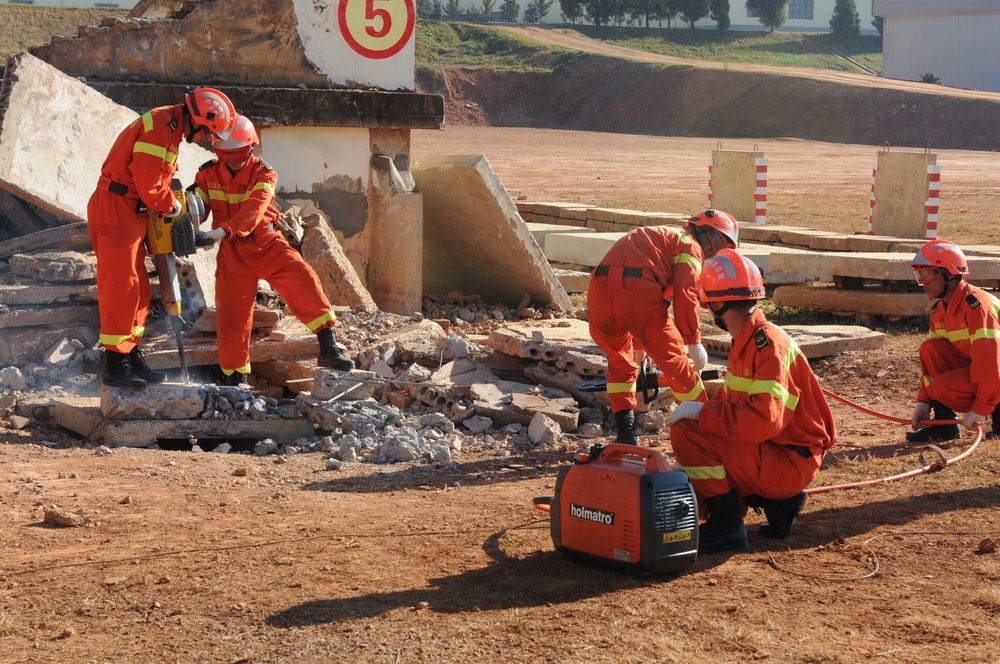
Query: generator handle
{"points": [[655, 463]]}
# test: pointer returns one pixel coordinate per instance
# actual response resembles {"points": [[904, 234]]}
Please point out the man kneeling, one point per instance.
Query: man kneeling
{"points": [[761, 439]]}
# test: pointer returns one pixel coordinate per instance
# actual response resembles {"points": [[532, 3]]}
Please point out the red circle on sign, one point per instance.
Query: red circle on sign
{"points": [[371, 53]]}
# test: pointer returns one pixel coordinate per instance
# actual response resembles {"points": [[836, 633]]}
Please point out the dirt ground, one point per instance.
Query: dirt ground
{"points": [[227, 558]]}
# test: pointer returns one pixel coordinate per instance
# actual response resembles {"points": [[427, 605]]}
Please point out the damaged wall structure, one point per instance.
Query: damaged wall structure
{"points": [[329, 89]]}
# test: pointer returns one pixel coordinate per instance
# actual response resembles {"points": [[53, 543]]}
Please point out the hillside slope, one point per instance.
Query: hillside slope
{"points": [[610, 88]]}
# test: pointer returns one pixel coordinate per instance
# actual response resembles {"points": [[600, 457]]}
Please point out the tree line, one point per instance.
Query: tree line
{"points": [[845, 22]]}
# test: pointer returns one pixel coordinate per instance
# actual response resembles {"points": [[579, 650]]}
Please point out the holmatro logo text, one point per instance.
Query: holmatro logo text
{"points": [[597, 516]]}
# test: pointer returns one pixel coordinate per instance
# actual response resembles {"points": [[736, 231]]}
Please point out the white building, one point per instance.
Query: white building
{"points": [[87, 4], [955, 41]]}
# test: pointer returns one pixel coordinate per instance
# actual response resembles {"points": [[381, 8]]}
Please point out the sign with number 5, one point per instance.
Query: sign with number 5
{"points": [[377, 29]]}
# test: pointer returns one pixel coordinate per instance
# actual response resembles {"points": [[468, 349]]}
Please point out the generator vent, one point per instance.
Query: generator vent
{"points": [[674, 509]]}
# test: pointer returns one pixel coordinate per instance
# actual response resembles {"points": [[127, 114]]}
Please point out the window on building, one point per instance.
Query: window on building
{"points": [[800, 9]]}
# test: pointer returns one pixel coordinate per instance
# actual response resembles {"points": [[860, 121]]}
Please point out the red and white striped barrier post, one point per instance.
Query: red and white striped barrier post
{"points": [[710, 193], [760, 191], [933, 198], [871, 203]]}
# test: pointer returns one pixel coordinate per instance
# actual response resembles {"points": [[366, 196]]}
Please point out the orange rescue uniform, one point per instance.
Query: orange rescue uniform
{"points": [[253, 249], [960, 360], [138, 170], [766, 431], [629, 310]]}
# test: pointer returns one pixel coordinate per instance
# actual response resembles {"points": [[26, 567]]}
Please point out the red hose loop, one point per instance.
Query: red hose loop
{"points": [[926, 467]]}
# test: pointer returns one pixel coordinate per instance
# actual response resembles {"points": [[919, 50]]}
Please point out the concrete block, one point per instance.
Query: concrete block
{"points": [[558, 336], [72, 237], [602, 214], [54, 266], [763, 256], [507, 402], [26, 292], [542, 230], [323, 252], [472, 233], [155, 402], [886, 266], [813, 340], [50, 316], [573, 281], [55, 165], [579, 248]]}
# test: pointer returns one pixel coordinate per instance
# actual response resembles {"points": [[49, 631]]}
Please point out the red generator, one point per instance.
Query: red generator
{"points": [[626, 508]]}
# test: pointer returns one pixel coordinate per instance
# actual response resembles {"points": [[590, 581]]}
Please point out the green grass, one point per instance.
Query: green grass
{"points": [[441, 43], [26, 26], [783, 49]]}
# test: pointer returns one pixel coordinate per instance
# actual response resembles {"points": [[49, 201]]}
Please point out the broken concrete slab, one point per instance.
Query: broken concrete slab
{"points": [[71, 237], [355, 385], [813, 340], [50, 316], [54, 266], [540, 231], [543, 340], [573, 281], [516, 403], [263, 321], [27, 291], [473, 233], [164, 401], [29, 344], [323, 252], [579, 248], [88, 421], [56, 165], [853, 301], [20, 217]]}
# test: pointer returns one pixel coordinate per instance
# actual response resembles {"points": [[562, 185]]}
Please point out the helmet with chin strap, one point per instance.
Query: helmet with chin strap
{"points": [[728, 277], [237, 148], [714, 229]]}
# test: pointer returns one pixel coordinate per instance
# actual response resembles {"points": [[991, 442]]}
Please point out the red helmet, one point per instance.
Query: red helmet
{"points": [[236, 149], [942, 255], [717, 220], [729, 276], [211, 109]]}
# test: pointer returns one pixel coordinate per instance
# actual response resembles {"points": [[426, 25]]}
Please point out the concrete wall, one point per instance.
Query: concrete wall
{"points": [[918, 44]]}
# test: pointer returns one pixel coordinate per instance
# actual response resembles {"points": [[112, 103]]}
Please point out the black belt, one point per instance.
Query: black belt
{"points": [[117, 188], [801, 450], [629, 272]]}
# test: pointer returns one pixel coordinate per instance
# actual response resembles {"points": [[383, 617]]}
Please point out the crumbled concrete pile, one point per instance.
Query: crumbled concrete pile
{"points": [[191, 402]]}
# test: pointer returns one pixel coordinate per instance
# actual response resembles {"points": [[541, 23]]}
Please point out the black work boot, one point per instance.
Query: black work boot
{"points": [[781, 514], [137, 360], [235, 379], [724, 529], [995, 431], [118, 371], [936, 432], [625, 419], [330, 355]]}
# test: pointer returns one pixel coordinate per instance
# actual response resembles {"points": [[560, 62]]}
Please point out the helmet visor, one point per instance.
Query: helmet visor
{"points": [[926, 275], [712, 241]]}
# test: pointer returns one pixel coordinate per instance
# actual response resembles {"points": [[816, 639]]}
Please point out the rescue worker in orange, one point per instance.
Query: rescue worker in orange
{"points": [[762, 437], [629, 308], [136, 176], [238, 189], [960, 359]]}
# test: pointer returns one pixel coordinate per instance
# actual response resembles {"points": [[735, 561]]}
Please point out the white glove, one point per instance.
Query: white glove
{"points": [[685, 410], [921, 411], [698, 355], [216, 234], [175, 211], [971, 419]]}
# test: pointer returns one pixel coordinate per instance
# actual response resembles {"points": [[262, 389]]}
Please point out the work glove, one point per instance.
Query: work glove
{"points": [[921, 412], [698, 355], [685, 410], [971, 419], [215, 234], [175, 211]]}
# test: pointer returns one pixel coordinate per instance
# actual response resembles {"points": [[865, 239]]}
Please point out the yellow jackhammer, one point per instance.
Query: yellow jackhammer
{"points": [[166, 238]]}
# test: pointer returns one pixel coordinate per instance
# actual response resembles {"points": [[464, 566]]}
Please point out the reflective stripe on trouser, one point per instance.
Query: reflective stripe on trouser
{"points": [[241, 263], [628, 314], [717, 464], [123, 293], [946, 375]]}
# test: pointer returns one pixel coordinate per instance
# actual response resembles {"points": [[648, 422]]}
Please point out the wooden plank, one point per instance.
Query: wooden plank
{"points": [[51, 316], [71, 236], [827, 298]]}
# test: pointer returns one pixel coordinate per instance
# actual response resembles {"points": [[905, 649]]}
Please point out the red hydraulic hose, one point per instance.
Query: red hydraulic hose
{"points": [[943, 463]]}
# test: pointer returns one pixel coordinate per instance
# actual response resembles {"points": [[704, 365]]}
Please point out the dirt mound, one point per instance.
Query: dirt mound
{"points": [[657, 95]]}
